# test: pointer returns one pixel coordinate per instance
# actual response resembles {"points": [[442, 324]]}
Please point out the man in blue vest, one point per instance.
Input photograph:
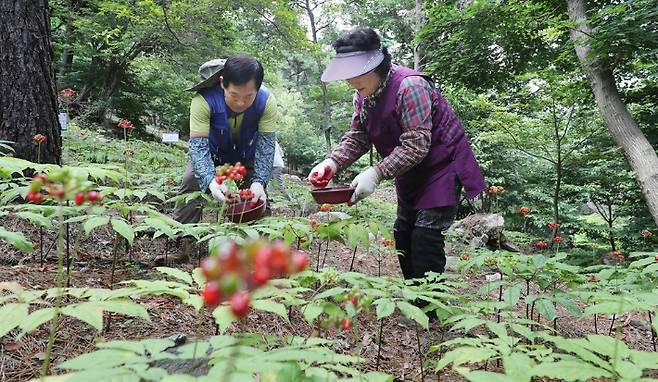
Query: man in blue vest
{"points": [[232, 119]]}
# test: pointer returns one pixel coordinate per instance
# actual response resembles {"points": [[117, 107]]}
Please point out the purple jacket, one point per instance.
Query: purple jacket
{"points": [[449, 162]]}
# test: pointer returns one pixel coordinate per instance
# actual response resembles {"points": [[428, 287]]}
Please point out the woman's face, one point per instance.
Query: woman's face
{"points": [[365, 84]]}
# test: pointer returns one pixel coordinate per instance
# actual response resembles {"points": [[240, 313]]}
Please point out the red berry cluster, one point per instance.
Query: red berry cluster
{"points": [[67, 94], [125, 124], [245, 194], [541, 244], [387, 242], [56, 191], [617, 255], [553, 226], [326, 207], [39, 138], [558, 239], [497, 190], [233, 271], [321, 182], [525, 211], [236, 172], [94, 197], [314, 223]]}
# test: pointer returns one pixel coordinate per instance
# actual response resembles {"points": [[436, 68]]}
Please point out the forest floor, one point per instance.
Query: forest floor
{"points": [[21, 360]]}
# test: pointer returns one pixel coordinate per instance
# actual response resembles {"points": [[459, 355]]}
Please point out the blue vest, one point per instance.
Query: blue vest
{"points": [[222, 148]]}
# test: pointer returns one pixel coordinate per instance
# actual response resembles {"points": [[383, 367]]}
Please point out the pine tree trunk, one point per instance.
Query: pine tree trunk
{"points": [[28, 99], [638, 151]]}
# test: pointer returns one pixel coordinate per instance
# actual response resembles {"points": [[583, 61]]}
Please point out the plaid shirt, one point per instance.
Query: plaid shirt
{"points": [[414, 108]]}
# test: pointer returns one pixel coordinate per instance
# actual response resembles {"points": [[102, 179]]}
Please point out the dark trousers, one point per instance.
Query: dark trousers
{"points": [[419, 239]]}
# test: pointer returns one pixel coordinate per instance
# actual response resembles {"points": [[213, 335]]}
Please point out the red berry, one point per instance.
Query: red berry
{"points": [[280, 253], [346, 324], [263, 257], [212, 295], [93, 196], [211, 268], [300, 261], [79, 198], [229, 257], [325, 207], [240, 304], [355, 300], [261, 275], [242, 171]]}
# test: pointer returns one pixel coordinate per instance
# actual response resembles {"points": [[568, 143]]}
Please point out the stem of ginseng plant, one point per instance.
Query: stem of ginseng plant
{"points": [[420, 355], [317, 265], [199, 317], [68, 254], [115, 251], [653, 331], [379, 342], [353, 257], [58, 299], [326, 249]]}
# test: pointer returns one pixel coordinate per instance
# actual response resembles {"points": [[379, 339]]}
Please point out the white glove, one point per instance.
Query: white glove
{"points": [[364, 184], [218, 191], [259, 192], [318, 172]]}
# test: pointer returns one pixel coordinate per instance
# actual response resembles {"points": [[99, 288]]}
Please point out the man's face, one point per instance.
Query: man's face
{"points": [[240, 97], [365, 84]]}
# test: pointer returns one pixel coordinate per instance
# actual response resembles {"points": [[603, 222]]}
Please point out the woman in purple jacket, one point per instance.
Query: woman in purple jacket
{"points": [[421, 140]]}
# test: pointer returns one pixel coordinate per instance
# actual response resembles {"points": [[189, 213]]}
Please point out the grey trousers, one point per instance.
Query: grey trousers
{"points": [[191, 211]]}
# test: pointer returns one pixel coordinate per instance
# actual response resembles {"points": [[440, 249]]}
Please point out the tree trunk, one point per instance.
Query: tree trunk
{"points": [[419, 20], [638, 151], [28, 99]]}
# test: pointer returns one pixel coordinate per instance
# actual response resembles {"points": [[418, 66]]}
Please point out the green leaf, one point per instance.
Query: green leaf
{"points": [[125, 307], [11, 315], [414, 312], [570, 371], [160, 225], [17, 239], [124, 229], [37, 318], [518, 367], [385, 307], [100, 359], [311, 311], [330, 292], [610, 307], [512, 294], [488, 376], [88, 312], [223, 318], [95, 222], [34, 218], [546, 309], [177, 273], [272, 307]]}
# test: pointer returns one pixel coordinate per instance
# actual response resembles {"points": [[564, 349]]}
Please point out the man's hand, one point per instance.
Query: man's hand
{"points": [[364, 184], [218, 191], [259, 192], [322, 173]]}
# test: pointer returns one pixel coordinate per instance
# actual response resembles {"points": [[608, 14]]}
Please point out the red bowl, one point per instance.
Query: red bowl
{"points": [[243, 212], [332, 195]]}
